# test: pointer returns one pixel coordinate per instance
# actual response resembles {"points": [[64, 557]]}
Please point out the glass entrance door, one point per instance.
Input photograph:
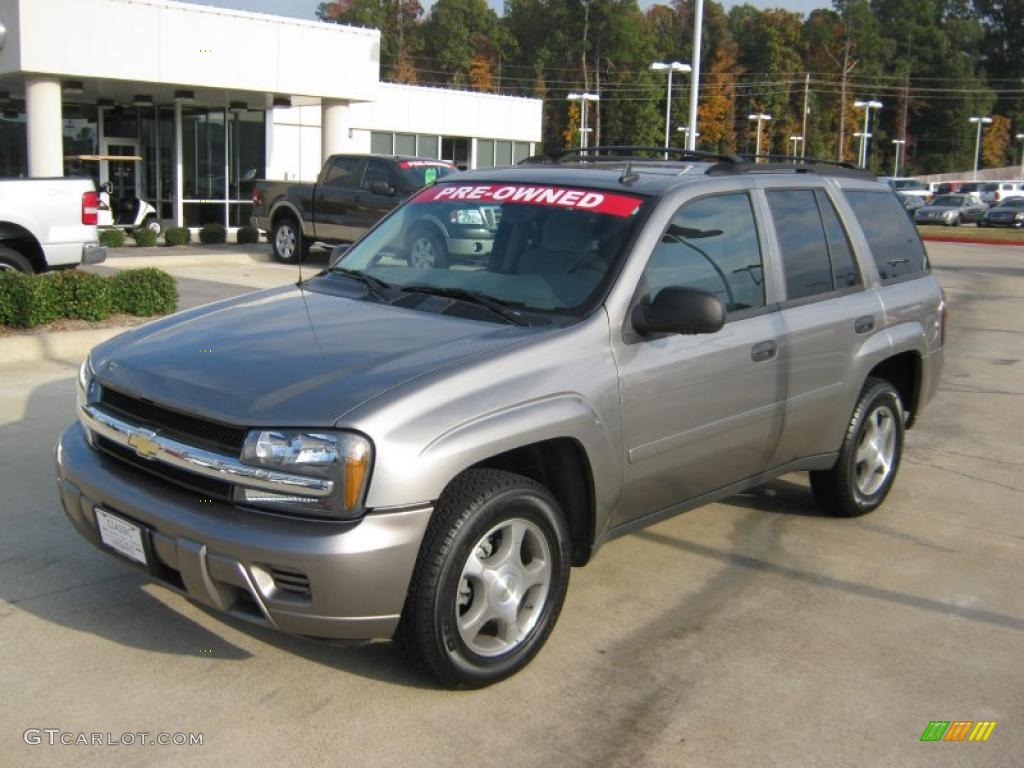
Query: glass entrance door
{"points": [[123, 176]]}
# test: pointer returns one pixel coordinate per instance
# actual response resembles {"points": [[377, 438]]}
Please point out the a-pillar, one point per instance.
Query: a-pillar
{"points": [[45, 127], [334, 125]]}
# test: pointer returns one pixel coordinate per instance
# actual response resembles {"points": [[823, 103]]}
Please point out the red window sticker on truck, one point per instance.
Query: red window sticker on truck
{"points": [[559, 197], [422, 163]]}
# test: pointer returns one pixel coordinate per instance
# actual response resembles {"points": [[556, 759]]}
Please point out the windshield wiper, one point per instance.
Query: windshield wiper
{"points": [[374, 285], [497, 306]]}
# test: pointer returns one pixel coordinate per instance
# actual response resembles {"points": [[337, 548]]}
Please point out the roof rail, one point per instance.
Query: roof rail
{"points": [[629, 152], [782, 163]]}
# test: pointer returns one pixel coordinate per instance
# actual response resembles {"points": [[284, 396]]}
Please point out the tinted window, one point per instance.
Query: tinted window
{"points": [[711, 244], [844, 268], [377, 171], [802, 240], [344, 172], [895, 244]]}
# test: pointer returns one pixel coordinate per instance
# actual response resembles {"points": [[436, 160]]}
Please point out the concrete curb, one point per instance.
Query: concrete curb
{"points": [[971, 240], [58, 346], [186, 259]]}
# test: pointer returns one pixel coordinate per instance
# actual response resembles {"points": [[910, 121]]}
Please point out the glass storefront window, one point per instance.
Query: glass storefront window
{"points": [[405, 144], [455, 150], [503, 153], [426, 146], [203, 155], [13, 144], [381, 143], [521, 151], [484, 153], [247, 163]]}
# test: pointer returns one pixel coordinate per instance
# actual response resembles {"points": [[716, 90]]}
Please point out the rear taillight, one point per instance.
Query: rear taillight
{"points": [[255, 197], [90, 208]]}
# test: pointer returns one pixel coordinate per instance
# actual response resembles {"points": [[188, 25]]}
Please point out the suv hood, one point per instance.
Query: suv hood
{"points": [[285, 357]]}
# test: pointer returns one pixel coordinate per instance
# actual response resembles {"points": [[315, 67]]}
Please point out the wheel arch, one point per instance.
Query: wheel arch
{"points": [[904, 372], [283, 211], [21, 240]]}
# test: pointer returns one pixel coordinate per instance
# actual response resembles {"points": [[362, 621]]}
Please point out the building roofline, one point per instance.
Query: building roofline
{"points": [[468, 91]]}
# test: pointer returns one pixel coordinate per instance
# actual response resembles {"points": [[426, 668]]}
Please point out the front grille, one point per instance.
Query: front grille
{"points": [[290, 580], [190, 429], [207, 487]]}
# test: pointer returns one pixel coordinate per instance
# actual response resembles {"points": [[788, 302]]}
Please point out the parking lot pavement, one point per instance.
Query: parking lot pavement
{"points": [[750, 632]]}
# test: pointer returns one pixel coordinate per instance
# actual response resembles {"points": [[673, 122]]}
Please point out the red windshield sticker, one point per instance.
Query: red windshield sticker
{"points": [[423, 163], [559, 197]]}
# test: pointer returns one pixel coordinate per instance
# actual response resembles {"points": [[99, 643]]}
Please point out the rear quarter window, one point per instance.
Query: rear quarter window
{"points": [[892, 237]]}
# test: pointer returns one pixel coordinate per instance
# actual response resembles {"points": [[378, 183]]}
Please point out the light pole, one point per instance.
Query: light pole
{"points": [[899, 145], [583, 98], [698, 23], [685, 130], [867, 106], [1020, 137], [797, 141], [760, 117], [979, 121], [670, 67]]}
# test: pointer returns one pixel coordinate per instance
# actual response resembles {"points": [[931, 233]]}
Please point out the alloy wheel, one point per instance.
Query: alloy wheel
{"points": [[873, 461]]}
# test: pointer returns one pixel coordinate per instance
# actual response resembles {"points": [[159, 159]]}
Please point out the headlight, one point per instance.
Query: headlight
{"points": [[343, 457], [469, 217], [950, 215], [87, 391], [1018, 216]]}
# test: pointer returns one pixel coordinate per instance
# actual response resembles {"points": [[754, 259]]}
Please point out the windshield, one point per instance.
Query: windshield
{"points": [[1012, 202], [990, 188], [907, 184], [532, 247], [949, 201], [420, 173], [970, 186]]}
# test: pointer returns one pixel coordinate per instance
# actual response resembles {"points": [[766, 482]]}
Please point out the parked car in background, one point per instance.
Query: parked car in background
{"points": [[909, 187], [352, 193], [911, 203], [971, 187], [48, 224], [994, 191], [944, 187], [388, 450], [1007, 213], [951, 210]]}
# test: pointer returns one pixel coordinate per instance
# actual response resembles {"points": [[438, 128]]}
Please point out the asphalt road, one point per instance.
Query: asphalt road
{"points": [[751, 632]]}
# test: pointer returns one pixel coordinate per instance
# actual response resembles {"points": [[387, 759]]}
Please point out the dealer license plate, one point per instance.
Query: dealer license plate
{"points": [[121, 536]]}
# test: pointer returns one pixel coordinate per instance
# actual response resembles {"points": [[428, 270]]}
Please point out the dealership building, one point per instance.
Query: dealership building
{"points": [[209, 100]]}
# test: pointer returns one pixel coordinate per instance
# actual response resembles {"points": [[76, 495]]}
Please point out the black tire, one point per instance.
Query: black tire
{"points": [[474, 504], [152, 223], [14, 261], [288, 242], [837, 489], [426, 250]]}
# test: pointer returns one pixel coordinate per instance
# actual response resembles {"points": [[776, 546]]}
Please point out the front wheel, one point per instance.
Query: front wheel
{"points": [[869, 457], [490, 579], [152, 223]]}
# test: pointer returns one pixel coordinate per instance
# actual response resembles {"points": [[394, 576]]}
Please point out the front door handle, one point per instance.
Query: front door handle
{"points": [[864, 324], [766, 350]]}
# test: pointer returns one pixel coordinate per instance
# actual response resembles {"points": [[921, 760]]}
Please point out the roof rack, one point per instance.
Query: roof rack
{"points": [[631, 153], [782, 163]]}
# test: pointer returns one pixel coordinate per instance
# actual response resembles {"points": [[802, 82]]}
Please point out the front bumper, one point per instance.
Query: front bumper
{"points": [[249, 564], [93, 253]]}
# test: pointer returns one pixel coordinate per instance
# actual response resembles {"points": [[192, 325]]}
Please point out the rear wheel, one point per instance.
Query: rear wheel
{"points": [[869, 457], [12, 261], [490, 579], [288, 242]]}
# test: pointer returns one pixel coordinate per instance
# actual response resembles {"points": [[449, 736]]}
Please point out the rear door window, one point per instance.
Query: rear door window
{"points": [[802, 241], [344, 172], [895, 245], [844, 268]]}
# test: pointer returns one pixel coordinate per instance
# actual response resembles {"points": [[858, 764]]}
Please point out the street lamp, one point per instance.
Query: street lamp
{"points": [[760, 117], [670, 67], [867, 106], [979, 121], [899, 145], [797, 140], [1020, 137], [583, 98]]}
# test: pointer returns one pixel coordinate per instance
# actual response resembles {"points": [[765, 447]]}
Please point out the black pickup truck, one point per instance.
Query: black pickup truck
{"points": [[352, 193]]}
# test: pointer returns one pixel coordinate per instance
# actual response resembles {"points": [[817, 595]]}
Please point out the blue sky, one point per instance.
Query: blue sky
{"points": [[304, 8]]}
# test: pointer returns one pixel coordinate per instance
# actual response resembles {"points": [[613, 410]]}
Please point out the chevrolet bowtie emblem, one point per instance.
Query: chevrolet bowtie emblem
{"points": [[144, 444]]}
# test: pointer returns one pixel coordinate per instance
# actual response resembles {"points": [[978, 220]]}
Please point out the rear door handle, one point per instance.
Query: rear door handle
{"points": [[766, 350], [864, 324]]}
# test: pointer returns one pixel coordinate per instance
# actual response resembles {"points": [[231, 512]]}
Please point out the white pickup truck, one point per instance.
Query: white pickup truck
{"points": [[48, 224]]}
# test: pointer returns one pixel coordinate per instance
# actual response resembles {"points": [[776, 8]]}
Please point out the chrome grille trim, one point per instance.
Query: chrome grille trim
{"points": [[217, 466]]}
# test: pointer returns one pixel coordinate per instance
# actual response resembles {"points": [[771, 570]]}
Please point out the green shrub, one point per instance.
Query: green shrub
{"points": [[213, 234], [112, 238], [144, 237], [177, 236], [143, 292], [81, 295], [28, 300], [248, 235]]}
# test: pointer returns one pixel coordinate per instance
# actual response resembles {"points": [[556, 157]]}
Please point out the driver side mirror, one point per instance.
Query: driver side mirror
{"points": [[337, 252], [381, 187], [687, 311]]}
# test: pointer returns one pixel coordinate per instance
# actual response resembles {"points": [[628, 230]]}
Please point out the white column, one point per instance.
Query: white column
{"points": [[472, 154], [45, 127], [179, 171], [334, 125]]}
